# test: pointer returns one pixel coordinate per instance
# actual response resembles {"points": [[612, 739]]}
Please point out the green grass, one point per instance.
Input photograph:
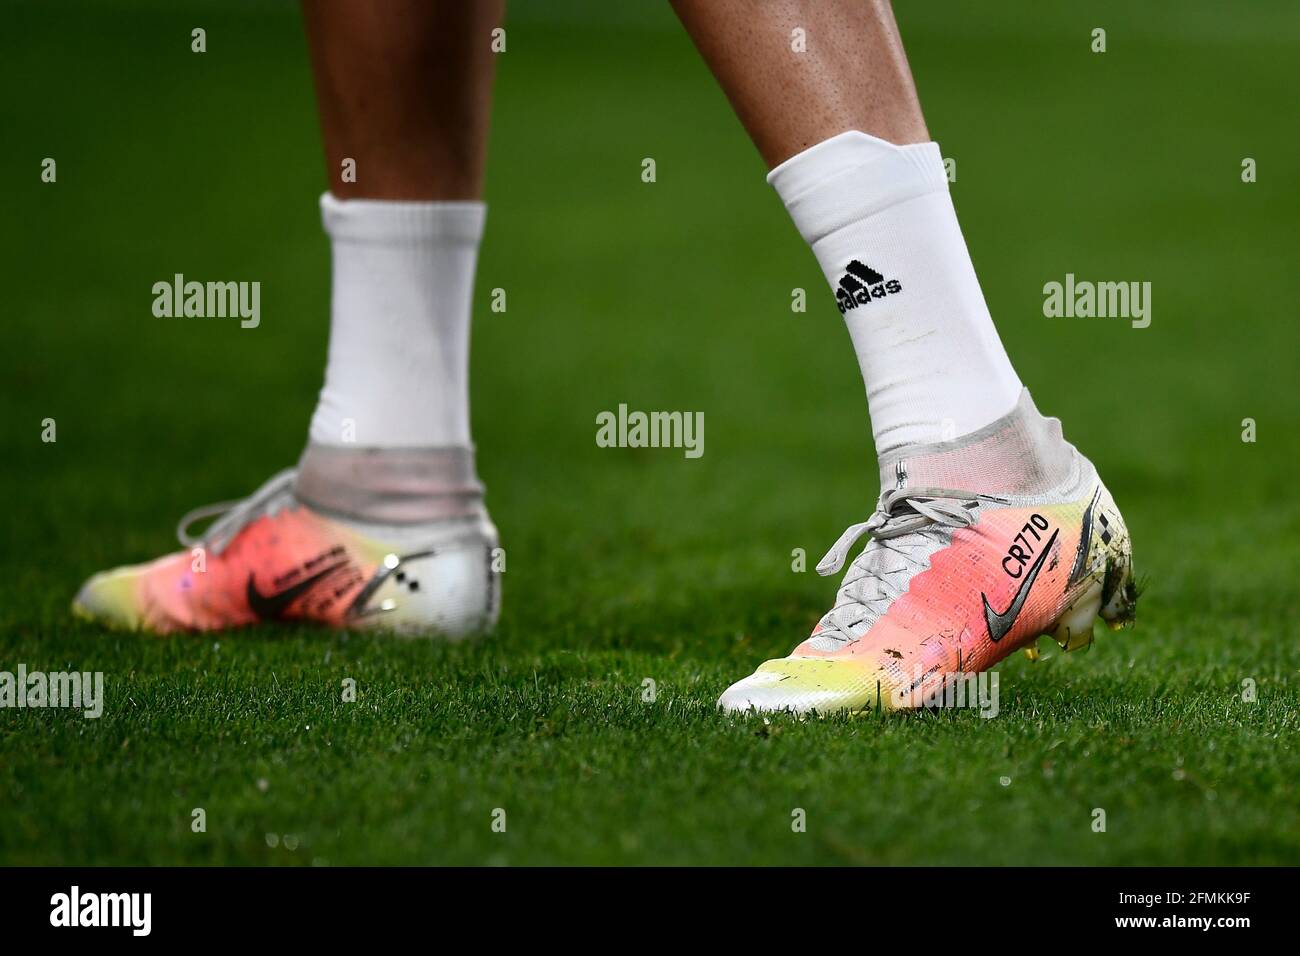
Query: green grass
{"points": [[632, 564]]}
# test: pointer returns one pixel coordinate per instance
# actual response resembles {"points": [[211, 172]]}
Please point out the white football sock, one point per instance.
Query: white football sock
{"points": [[403, 276], [882, 225]]}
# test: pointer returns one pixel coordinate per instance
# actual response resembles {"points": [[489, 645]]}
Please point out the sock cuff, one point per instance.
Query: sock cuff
{"points": [[1023, 453], [402, 222], [851, 176], [390, 485]]}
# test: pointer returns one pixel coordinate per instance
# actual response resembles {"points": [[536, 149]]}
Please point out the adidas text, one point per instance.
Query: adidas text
{"points": [[860, 284]]}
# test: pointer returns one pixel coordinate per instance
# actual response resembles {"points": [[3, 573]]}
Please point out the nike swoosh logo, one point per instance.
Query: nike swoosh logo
{"points": [[1000, 622], [1085, 540], [270, 607]]}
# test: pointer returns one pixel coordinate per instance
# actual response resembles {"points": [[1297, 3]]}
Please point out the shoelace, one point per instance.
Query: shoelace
{"points": [[233, 515], [878, 575]]}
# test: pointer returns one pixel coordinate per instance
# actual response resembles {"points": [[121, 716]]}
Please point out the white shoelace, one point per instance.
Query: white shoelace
{"points": [[232, 516], [907, 527]]}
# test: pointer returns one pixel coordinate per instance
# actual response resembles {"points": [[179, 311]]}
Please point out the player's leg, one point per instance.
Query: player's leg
{"points": [[383, 522], [404, 89], [991, 529], [845, 70]]}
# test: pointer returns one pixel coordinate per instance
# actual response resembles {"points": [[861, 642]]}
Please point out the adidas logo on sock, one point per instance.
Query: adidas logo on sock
{"points": [[860, 284]]}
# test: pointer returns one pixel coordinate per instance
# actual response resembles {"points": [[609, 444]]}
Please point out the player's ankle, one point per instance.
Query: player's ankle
{"points": [[403, 278], [881, 222], [391, 485], [1021, 453]]}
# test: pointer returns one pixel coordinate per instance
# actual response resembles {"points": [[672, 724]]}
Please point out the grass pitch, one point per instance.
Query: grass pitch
{"points": [[624, 565]]}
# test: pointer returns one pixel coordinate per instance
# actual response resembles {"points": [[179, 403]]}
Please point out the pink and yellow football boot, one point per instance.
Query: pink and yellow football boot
{"points": [[348, 540], [978, 547]]}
